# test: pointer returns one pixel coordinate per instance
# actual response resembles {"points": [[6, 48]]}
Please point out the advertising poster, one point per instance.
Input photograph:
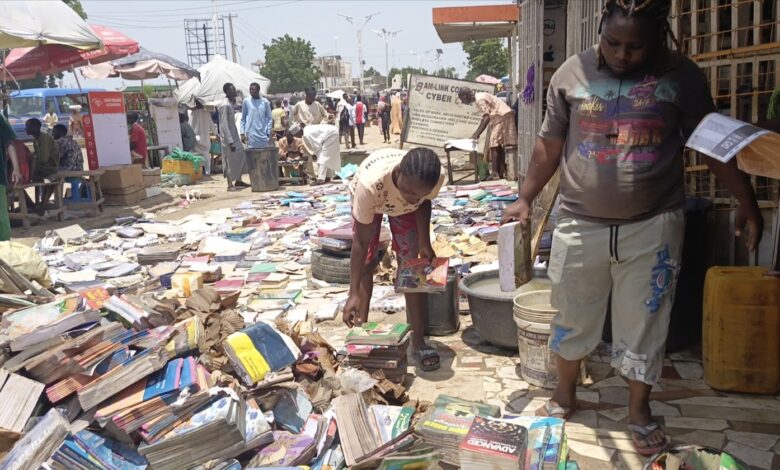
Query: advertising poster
{"points": [[105, 130], [436, 114]]}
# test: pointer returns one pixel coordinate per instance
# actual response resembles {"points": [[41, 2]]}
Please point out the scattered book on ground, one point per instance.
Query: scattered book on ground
{"points": [[494, 443], [420, 275]]}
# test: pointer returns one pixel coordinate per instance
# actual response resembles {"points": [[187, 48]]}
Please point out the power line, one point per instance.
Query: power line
{"points": [[189, 11], [251, 28]]}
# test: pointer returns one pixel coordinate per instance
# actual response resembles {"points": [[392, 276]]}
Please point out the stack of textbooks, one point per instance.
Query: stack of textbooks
{"points": [[494, 443], [259, 349], [378, 346], [546, 441], [447, 422]]}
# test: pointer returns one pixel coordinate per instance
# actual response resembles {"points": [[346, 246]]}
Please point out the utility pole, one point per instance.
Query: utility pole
{"points": [[232, 37], [359, 28], [206, 42], [214, 28], [387, 36]]}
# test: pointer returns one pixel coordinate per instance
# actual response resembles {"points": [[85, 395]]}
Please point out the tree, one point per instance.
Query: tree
{"points": [[289, 64], [486, 57], [372, 72], [405, 72], [75, 5], [449, 72]]}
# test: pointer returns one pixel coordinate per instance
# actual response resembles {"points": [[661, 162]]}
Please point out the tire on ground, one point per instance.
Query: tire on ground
{"points": [[329, 268]]}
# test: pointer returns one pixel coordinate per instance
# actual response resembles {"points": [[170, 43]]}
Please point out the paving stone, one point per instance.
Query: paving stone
{"points": [[615, 414], [696, 423], [470, 360], [689, 370], [668, 395], [751, 456], [703, 438], [777, 448], [515, 384], [618, 396], [672, 384], [752, 439], [598, 371], [735, 414], [493, 386], [687, 355], [592, 397], [760, 428], [669, 372], [628, 461], [615, 381], [662, 409], [624, 445], [586, 418], [540, 393], [591, 451], [733, 402], [525, 406]]}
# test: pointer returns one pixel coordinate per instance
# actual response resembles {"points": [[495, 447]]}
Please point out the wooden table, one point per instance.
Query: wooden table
{"points": [[18, 193], [157, 159], [473, 157], [92, 180]]}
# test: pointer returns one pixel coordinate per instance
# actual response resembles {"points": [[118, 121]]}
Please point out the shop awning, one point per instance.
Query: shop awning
{"points": [[458, 24]]}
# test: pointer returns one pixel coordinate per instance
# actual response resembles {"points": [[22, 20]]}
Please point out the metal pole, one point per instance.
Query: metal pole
{"points": [[232, 37], [387, 64], [214, 28], [206, 41], [360, 56]]}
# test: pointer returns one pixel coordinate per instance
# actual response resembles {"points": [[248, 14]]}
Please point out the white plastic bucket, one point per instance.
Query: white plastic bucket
{"points": [[533, 315]]}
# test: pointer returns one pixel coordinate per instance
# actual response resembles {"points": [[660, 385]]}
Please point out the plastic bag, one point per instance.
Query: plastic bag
{"points": [[356, 381], [26, 262]]}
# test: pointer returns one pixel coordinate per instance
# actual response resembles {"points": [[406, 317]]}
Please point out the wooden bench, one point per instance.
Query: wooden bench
{"points": [[18, 194], [91, 181]]}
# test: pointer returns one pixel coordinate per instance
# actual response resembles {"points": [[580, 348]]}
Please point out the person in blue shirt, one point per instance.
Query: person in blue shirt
{"points": [[256, 120]]}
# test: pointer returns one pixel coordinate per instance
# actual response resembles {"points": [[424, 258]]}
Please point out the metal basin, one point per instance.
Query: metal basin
{"points": [[492, 310]]}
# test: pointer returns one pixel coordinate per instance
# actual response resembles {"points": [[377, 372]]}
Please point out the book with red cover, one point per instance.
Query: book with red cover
{"points": [[344, 232], [95, 297], [420, 275]]}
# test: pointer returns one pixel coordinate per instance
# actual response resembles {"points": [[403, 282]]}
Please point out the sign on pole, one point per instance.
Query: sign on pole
{"points": [[436, 114], [105, 130]]}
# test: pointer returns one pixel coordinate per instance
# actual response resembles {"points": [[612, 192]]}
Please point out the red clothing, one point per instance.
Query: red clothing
{"points": [[360, 113], [138, 140]]}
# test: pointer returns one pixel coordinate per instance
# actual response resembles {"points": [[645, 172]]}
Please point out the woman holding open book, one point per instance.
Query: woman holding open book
{"points": [[401, 185]]}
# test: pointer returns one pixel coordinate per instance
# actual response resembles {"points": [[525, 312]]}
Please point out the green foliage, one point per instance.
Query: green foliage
{"points": [[372, 72], [75, 5], [405, 72], [773, 111], [486, 57], [449, 72], [148, 91], [289, 64]]}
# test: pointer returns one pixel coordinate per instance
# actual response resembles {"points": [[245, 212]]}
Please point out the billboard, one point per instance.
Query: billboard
{"points": [[436, 114], [105, 130]]}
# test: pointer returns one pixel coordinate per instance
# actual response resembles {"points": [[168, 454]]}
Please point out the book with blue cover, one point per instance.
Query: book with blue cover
{"points": [[164, 380]]}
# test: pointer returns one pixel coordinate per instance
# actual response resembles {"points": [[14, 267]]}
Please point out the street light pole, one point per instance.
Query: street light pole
{"points": [[386, 36], [359, 28]]}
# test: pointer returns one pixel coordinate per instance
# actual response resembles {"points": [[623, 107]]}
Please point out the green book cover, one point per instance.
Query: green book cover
{"points": [[375, 331], [262, 268]]}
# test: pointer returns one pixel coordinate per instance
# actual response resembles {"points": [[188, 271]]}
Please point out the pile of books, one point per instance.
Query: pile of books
{"points": [[259, 349], [546, 441], [494, 443], [448, 421], [378, 346]]}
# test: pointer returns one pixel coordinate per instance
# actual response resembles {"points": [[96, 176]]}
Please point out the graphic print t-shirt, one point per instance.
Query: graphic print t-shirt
{"points": [[622, 160]]}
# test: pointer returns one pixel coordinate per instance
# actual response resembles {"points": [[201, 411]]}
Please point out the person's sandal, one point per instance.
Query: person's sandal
{"points": [[428, 358], [639, 435], [551, 409]]}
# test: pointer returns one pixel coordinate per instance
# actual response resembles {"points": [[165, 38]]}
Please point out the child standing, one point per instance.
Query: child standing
{"points": [[402, 186]]}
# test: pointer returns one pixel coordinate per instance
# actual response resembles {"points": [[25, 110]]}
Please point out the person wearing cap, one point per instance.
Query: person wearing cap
{"points": [[321, 141]]}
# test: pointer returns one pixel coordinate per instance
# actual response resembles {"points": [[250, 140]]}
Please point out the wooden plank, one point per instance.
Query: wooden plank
{"points": [[22, 282], [542, 210]]}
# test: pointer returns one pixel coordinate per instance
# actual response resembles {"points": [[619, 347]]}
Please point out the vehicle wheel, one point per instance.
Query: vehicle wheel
{"points": [[330, 268]]}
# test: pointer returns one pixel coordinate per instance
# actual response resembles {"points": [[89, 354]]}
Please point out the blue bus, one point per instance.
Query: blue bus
{"points": [[36, 102]]}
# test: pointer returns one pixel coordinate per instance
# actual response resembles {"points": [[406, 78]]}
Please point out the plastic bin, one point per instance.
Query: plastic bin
{"points": [[263, 166]]}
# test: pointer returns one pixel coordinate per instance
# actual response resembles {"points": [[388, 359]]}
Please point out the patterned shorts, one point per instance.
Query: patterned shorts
{"points": [[404, 231]]}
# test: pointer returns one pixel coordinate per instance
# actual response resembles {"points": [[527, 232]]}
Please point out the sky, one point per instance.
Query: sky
{"points": [[158, 25]]}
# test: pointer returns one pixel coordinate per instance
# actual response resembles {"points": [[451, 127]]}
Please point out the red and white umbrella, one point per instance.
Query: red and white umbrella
{"points": [[24, 63]]}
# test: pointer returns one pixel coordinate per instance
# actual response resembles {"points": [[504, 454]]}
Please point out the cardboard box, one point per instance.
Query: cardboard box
{"points": [[185, 283], [119, 177], [151, 177], [126, 197]]}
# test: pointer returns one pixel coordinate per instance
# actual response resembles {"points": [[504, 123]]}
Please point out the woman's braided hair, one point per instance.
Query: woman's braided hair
{"points": [[422, 163], [655, 11]]}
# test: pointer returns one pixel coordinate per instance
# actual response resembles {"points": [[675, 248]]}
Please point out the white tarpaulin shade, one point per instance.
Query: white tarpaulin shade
{"points": [[208, 90], [31, 23], [336, 95], [144, 65]]}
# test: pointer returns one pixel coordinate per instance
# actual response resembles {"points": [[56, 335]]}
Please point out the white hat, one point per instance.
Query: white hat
{"points": [[294, 129]]}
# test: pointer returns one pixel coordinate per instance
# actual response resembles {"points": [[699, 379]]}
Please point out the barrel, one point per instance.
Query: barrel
{"points": [[443, 309], [741, 330], [263, 166], [533, 315]]}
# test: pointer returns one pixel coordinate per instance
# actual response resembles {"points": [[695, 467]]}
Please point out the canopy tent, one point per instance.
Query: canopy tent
{"points": [[471, 23], [213, 75], [336, 95], [489, 79], [24, 63], [143, 65], [30, 23]]}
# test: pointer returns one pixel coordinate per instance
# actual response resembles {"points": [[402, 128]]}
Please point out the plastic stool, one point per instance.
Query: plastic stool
{"points": [[76, 187]]}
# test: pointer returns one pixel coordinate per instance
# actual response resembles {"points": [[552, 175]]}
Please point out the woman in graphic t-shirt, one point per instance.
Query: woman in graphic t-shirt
{"points": [[617, 118]]}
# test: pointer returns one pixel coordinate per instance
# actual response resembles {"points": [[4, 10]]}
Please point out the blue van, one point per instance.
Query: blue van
{"points": [[36, 102]]}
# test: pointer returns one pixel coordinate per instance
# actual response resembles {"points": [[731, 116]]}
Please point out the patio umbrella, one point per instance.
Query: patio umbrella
{"points": [[213, 75], [489, 79], [24, 63], [30, 23], [143, 65]]}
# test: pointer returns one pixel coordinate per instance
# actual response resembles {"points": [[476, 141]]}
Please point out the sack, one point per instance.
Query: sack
{"points": [[26, 262]]}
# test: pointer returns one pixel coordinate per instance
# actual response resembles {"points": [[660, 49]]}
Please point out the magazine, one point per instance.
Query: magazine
{"points": [[420, 275]]}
